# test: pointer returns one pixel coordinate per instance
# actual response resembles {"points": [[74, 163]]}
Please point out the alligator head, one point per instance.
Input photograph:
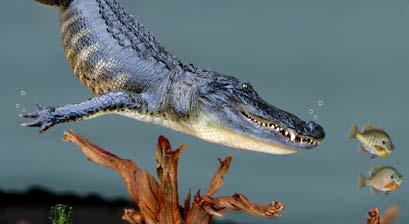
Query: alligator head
{"points": [[230, 112]]}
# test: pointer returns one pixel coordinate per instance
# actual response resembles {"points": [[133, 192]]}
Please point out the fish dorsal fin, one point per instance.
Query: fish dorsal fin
{"points": [[371, 127], [375, 169]]}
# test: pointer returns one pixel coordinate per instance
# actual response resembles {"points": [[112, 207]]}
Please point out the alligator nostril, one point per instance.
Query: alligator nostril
{"points": [[315, 130]]}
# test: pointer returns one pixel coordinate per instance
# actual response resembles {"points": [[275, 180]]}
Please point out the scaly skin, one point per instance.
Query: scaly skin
{"points": [[118, 60]]}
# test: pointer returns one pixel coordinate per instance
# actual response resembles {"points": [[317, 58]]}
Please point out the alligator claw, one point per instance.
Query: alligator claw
{"points": [[30, 124], [43, 118], [28, 115]]}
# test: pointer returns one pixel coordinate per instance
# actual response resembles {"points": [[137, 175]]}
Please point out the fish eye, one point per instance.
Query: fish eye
{"points": [[392, 177]]}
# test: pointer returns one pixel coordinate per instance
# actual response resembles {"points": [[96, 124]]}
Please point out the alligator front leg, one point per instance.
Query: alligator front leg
{"points": [[48, 116]]}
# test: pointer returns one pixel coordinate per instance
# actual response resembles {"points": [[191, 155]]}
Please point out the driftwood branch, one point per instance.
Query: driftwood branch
{"points": [[158, 201], [374, 217]]}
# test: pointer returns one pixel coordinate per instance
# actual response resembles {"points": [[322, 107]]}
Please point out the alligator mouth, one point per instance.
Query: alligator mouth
{"points": [[288, 134]]}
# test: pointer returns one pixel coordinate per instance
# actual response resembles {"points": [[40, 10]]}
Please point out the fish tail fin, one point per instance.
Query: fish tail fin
{"points": [[353, 132], [361, 181], [56, 3]]}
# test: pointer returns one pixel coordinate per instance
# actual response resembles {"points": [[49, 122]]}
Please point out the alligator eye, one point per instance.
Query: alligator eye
{"points": [[245, 86], [383, 142], [392, 177]]}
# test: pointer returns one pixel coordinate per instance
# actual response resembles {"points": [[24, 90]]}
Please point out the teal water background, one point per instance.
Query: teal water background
{"points": [[351, 54]]}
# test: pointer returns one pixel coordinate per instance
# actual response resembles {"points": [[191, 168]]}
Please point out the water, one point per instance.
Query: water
{"points": [[352, 54]]}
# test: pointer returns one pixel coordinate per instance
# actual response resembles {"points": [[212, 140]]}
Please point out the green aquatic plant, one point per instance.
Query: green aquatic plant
{"points": [[61, 214]]}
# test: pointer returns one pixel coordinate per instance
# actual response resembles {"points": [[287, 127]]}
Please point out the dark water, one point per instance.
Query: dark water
{"points": [[351, 54]]}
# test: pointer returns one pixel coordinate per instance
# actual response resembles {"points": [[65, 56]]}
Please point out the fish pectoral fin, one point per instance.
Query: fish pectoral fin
{"points": [[361, 148], [371, 127], [375, 191]]}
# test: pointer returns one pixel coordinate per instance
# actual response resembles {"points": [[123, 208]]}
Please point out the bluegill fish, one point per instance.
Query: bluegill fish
{"points": [[374, 141], [381, 179]]}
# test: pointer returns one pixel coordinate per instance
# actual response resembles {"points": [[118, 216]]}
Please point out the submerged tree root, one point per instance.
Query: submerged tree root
{"points": [[158, 201], [388, 217]]}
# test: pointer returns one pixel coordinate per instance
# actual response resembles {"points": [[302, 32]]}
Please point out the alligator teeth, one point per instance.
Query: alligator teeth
{"points": [[292, 137], [288, 134]]}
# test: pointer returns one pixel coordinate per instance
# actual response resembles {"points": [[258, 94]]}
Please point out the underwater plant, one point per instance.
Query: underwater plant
{"points": [[61, 214]]}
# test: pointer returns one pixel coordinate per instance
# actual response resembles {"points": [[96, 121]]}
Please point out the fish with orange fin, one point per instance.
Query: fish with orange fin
{"points": [[373, 140], [381, 179]]}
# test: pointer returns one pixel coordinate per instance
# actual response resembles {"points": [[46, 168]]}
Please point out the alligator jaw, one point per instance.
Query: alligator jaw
{"points": [[204, 127], [220, 135], [208, 129], [290, 134]]}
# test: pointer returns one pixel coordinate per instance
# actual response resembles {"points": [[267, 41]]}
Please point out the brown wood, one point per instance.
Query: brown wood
{"points": [[157, 201], [374, 217]]}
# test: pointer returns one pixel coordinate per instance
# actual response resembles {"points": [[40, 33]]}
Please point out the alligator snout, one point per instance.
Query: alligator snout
{"points": [[315, 130]]}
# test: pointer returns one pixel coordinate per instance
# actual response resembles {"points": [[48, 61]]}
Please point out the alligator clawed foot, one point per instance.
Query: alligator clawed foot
{"points": [[43, 118]]}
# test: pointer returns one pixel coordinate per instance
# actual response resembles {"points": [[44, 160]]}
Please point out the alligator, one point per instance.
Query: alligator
{"points": [[130, 74]]}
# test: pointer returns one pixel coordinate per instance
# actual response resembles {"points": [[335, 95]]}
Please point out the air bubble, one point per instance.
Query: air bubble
{"points": [[315, 117], [23, 110], [23, 93], [311, 111], [320, 102], [17, 105]]}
